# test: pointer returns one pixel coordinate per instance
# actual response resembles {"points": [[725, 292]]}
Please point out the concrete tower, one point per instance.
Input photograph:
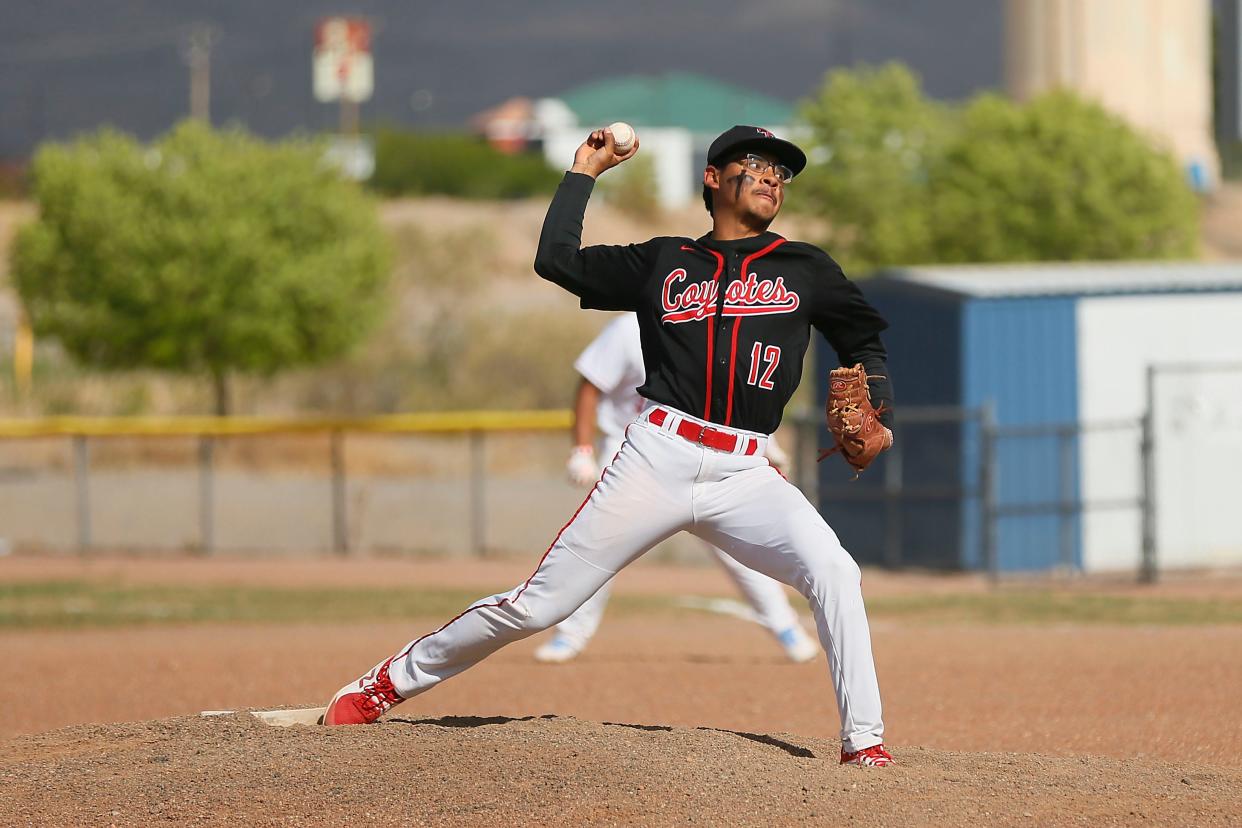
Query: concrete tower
{"points": [[1149, 61]]}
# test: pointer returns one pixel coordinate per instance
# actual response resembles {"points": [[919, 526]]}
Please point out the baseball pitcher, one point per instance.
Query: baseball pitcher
{"points": [[724, 320]]}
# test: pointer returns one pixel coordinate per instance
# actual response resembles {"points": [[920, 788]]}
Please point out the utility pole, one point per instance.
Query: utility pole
{"points": [[349, 116], [197, 55]]}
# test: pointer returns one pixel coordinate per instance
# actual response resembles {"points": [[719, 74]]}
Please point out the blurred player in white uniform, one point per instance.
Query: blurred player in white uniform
{"points": [[612, 369]]}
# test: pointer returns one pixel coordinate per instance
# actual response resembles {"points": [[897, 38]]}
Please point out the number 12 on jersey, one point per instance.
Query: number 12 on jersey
{"points": [[760, 353]]}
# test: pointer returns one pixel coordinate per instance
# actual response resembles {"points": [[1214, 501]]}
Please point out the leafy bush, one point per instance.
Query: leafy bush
{"points": [[205, 253], [874, 140], [903, 180], [1059, 179], [408, 163]]}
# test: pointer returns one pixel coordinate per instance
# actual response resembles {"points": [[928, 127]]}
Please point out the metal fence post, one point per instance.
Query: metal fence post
{"points": [[206, 493], [1065, 509], [478, 494], [81, 474], [988, 489], [1147, 569], [798, 452], [810, 453], [340, 534], [804, 471], [892, 506]]}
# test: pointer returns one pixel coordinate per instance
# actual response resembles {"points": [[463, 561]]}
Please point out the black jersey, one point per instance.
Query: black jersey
{"points": [[724, 324]]}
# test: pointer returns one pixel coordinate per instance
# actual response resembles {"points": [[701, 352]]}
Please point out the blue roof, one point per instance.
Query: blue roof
{"points": [[994, 281]]}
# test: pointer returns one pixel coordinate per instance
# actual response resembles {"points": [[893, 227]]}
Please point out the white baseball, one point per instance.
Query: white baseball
{"points": [[622, 136]]}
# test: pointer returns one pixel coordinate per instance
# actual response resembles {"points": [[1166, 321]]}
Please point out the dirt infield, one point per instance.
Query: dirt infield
{"points": [[689, 718], [561, 771]]}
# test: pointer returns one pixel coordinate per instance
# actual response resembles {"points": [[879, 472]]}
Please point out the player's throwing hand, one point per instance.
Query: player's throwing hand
{"points": [[598, 153]]}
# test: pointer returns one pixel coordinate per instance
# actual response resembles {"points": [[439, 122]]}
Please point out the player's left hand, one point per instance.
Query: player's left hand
{"points": [[581, 466], [853, 422]]}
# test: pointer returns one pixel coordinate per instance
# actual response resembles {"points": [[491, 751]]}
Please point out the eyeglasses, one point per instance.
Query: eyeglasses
{"points": [[759, 165]]}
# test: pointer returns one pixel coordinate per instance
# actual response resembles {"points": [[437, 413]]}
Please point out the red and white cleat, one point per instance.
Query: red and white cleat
{"points": [[875, 757], [365, 700]]}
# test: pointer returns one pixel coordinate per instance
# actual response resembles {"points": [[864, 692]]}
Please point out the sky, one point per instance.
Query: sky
{"points": [[72, 65]]}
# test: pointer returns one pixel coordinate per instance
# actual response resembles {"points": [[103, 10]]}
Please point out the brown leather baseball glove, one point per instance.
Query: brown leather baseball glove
{"points": [[854, 423]]}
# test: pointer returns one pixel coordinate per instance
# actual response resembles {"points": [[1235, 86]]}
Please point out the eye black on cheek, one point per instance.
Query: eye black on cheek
{"points": [[738, 181]]}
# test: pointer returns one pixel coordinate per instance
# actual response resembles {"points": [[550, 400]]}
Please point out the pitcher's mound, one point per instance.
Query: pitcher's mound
{"points": [[563, 771]]}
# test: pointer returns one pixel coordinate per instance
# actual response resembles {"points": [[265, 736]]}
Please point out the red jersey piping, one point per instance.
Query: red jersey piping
{"points": [[707, 394], [737, 321]]}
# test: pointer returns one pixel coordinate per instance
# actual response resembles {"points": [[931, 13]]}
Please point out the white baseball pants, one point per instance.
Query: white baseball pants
{"points": [[766, 597], [659, 484]]}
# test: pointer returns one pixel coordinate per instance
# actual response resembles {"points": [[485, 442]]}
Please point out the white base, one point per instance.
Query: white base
{"points": [[279, 718]]}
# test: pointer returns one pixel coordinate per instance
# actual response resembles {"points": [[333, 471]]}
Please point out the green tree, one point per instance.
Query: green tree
{"points": [[206, 252], [1057, 179], [454, 164], [873, 139], [902, 180]]}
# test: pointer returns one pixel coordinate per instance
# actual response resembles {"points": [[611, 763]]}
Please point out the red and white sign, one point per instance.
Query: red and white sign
{"points": [[342, 65]]}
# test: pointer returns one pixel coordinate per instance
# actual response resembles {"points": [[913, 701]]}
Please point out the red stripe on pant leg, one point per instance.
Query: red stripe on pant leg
{"points": [[525, 583]]}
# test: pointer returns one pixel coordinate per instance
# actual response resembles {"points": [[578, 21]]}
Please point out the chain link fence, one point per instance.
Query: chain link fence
{"points": [[454, 484], [957, 491]]}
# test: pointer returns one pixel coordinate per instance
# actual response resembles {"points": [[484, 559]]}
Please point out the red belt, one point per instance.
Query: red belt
{"points": [[705, 435]]}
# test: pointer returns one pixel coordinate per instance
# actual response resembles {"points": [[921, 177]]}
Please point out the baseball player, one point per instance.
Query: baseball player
{"points": [[724, 320], [611, 368]]}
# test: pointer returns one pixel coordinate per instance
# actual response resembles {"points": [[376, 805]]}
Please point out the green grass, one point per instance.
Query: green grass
{"points": [[95, 604], [1049, 607], [91, 604]]}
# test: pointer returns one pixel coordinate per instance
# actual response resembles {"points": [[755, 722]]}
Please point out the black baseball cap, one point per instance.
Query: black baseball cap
{"points": [[740, 139]]}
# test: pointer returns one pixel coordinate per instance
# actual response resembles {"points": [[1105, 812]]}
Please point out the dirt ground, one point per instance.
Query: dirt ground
{"points": [[673, 720]]}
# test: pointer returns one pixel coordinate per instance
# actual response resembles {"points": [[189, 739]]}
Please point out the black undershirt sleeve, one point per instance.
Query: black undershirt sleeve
{"points": [[852, 327], [604, 277]]}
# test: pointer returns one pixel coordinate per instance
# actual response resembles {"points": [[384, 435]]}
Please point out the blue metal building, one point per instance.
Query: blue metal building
{"points": [[1011, 338]]}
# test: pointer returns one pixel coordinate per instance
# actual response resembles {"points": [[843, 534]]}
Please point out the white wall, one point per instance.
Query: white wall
{"points": [[1198, 426]]}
